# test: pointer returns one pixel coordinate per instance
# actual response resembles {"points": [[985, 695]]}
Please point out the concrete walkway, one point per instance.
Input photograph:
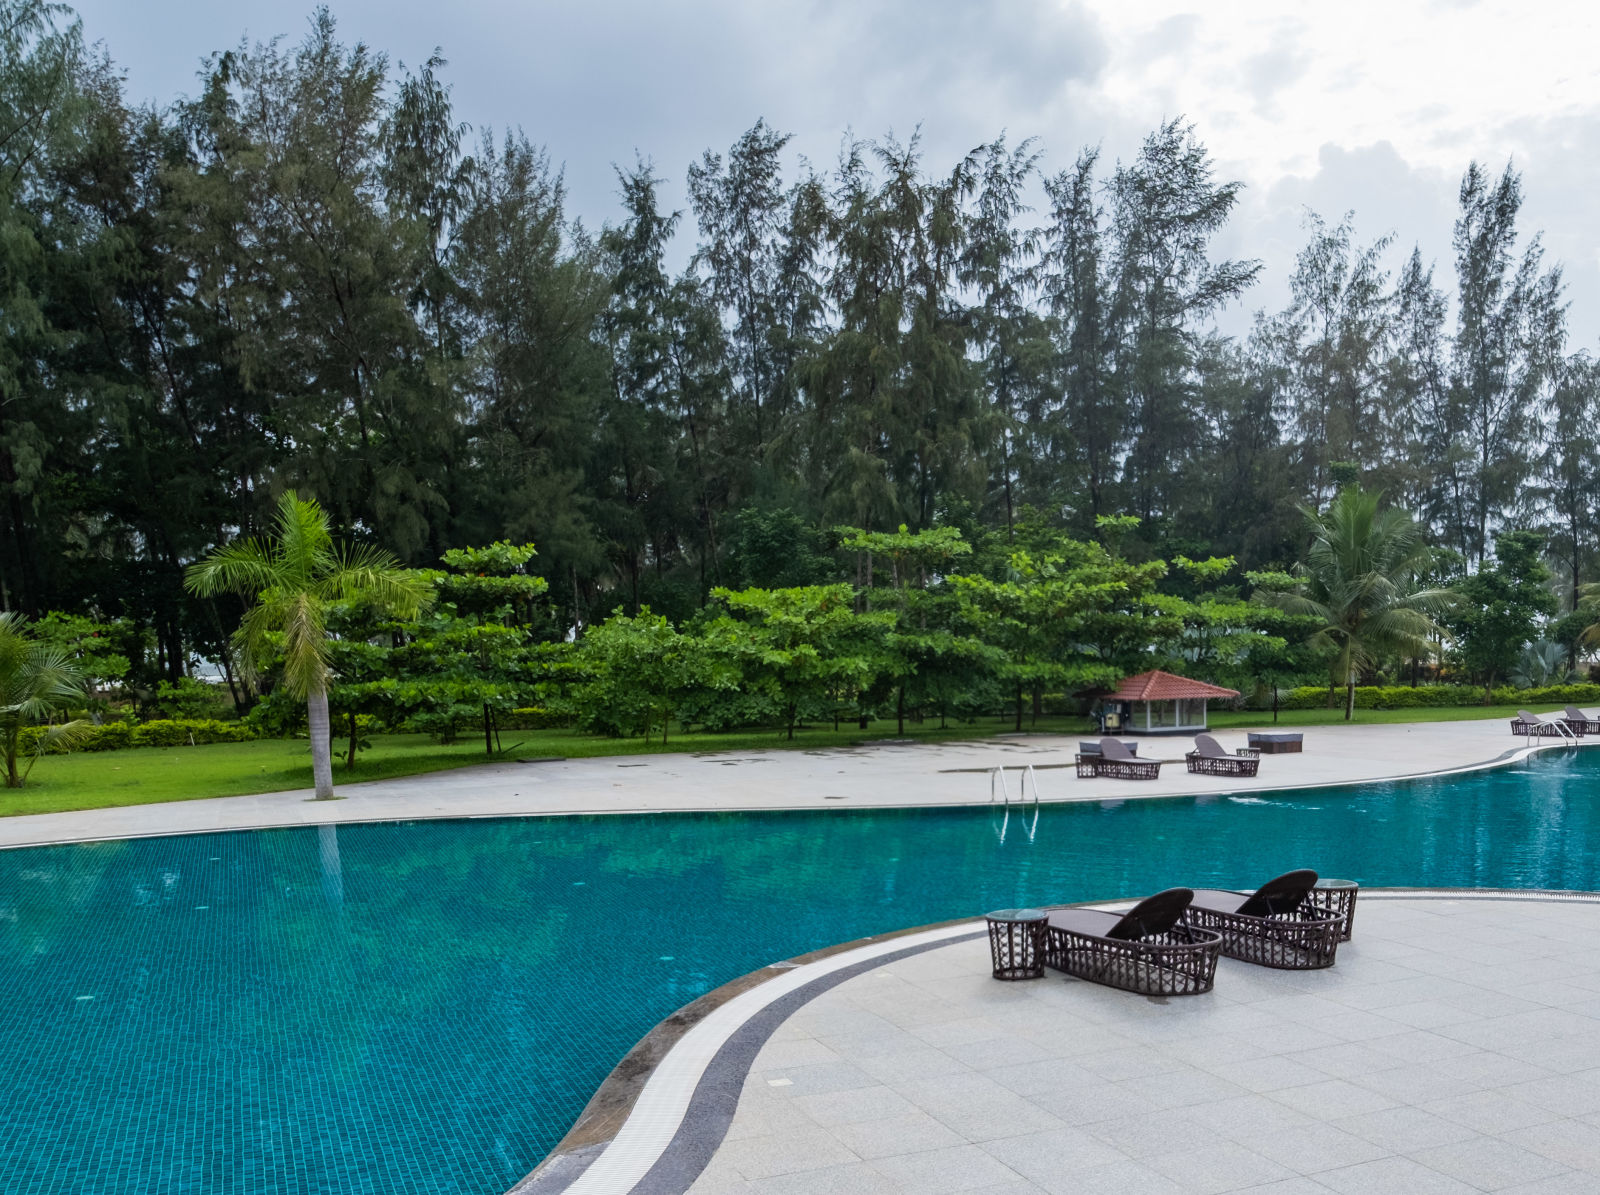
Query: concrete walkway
{"points": [[875, 775], [1455, 1048]]}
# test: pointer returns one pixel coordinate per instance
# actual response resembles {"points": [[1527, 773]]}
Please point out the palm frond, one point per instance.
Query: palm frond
{"points": [[245, 566]]}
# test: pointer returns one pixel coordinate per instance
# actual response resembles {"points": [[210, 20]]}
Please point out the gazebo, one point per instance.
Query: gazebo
{"points": [[1158, 703]]}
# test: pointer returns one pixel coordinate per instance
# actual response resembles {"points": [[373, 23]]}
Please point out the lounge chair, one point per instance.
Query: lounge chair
{"points": [[1148, 949], [1536, 727], [1117, 761], [1275, 926], [1579, 722], [1209, 759]]}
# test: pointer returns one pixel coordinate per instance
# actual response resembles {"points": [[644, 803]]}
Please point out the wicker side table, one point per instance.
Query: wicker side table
{"points": [[1016, 943], [1337, 898]]}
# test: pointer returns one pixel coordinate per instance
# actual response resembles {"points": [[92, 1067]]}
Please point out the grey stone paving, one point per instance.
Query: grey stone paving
{"points": [[882, 774], [1454, 1048]]}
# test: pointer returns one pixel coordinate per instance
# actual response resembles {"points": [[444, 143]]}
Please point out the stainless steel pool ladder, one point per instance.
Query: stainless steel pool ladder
{"points": [[998, 790], [1565, 730]]}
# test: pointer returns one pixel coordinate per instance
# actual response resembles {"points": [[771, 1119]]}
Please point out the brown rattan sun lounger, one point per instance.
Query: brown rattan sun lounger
{"points": [[1579, 722], [1148, 949], [1117, 761], [1536, 727], [1209, 759], [1276, 926]]}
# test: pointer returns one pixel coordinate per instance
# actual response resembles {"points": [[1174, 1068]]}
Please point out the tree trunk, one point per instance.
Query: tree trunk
{"points": [[350, 752], [1019, 707], [488, 737], [321, 746], [13, 748], [900, 712]]}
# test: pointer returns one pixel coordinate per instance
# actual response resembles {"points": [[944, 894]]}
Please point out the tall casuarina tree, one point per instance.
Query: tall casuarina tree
{"points": [[1510, 331], [294, 577]]}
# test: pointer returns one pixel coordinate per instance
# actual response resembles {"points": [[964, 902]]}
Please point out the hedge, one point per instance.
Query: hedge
{"points": [[1402, 697], [163, 732]]}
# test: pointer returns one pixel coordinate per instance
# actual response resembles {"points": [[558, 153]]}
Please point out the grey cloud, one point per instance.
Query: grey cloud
{"points": [[1267, 73]]}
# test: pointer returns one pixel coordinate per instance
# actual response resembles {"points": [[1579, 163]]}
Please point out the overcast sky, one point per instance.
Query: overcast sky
{"points": [[1356, 104]]}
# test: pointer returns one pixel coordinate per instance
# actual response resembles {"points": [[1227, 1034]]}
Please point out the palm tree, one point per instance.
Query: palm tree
{"points": [[1360, 578], [36, 680], [294, 577]]}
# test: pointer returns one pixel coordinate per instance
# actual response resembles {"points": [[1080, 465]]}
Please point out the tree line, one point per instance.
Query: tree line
{"points": [[310, 274]]}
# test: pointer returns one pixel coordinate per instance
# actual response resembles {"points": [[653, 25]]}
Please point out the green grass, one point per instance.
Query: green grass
{"points": [[102, 779], [1326, 717]]}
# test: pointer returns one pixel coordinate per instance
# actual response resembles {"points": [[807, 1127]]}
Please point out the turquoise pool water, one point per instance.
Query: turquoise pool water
{"points": [[425, 1007]]}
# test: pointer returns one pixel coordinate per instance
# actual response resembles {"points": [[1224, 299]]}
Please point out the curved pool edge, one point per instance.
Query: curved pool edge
{"points": [[665, 1109], [614, 1101], [1134, 792]]}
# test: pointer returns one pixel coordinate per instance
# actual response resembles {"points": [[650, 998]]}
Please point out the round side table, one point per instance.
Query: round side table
{"points": [[1338, 899], [1016, 943]]}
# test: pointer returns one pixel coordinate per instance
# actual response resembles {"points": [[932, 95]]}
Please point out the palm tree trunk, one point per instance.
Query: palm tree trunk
{"points": [[321, 745], [13, 747]]}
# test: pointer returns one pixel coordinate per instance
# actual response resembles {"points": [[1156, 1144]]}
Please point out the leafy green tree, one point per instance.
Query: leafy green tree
{"points": [[37, 681], [802, 649], [1501, 607], [1066, 615], [1359, 581], [642, 671], [99, 650], [293, 578]]}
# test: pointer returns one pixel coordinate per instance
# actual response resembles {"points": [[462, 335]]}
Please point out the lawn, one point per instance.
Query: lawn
{"points": [[1326, 717], [100, 779]]}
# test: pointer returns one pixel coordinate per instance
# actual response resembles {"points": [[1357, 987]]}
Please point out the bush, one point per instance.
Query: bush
{"points": [[533, 718], [1404, 697], [164, 732]]}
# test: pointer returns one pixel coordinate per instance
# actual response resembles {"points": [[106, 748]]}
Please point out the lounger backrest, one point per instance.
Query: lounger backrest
{"points": [[1525, 716], [1153, 915], [1113, 749], [1576, 715], [1208, 747], [1281, 895]]}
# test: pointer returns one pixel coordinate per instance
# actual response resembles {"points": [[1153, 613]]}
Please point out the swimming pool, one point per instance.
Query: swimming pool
{"points": [[425, 1007]]}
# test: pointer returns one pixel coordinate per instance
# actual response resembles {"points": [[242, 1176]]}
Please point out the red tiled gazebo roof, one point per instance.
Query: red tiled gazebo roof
{"points": [[1164, 686]]}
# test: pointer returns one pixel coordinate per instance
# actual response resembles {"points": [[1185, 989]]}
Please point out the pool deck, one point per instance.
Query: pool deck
{"points": [[869, 776], [1455, 1047]]}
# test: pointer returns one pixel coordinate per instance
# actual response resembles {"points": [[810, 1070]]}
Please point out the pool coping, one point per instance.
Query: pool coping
{"points": [[1505, 758], [688, 1111]]}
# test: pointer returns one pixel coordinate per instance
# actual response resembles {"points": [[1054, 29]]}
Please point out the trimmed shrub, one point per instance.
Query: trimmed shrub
{"points": [[164, 732], [1403, 697]]}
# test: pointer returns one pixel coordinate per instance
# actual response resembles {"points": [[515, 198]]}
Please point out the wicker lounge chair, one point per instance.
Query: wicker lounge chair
{"points": [[1579, 722], [1209, 759], [1117, 761], [1276, 926], [1146, 950], [1536, 727]]}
